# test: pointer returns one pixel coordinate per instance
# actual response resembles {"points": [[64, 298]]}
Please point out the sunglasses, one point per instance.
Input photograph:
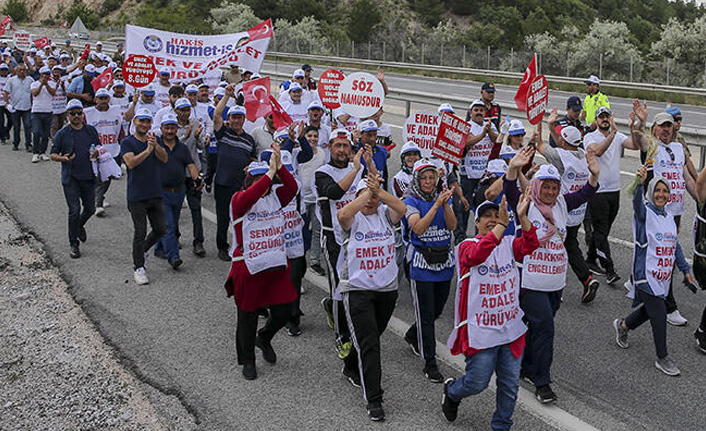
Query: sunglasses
{"points": [[75, 113], [677, 118]]}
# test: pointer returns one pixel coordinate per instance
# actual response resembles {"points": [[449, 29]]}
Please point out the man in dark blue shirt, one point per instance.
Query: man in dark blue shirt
{"points": [[236, 149], [72, 147], [368, 139], [143, 158], [173, 174]]}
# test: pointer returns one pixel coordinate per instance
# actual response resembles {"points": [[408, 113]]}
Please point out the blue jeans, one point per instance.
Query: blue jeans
{"points": [[540, 309], [78, 192], [41, 126], [169, 244], [25, 117], [479, 370]]}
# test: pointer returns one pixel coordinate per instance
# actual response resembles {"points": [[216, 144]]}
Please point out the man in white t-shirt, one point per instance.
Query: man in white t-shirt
{"points": [[162, 87], [42, 92], [315, 113], [295, 107], [119, 98], [58, 107], [108, 122], [606, 142]]}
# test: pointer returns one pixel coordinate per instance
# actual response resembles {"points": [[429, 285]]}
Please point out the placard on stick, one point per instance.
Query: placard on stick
{"points": [[451, 139], [422, 128]]}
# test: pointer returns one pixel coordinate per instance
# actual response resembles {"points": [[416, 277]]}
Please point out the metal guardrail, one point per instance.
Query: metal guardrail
{"points": [[694, 136], [491, 73]]}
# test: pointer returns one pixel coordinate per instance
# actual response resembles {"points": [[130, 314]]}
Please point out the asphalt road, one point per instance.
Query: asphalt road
{"points": [[177, 334]]}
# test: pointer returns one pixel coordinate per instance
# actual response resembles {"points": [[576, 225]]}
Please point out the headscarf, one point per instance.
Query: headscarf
{"points": [[544, 209], [404, 166], [650, 191], [415, 188]]}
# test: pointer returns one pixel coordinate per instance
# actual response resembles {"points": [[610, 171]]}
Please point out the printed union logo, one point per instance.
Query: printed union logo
{"points": [[659, 236], [536, 224], [252, 216], [152, 43], [662, 163], [359, 236], [482, 270], [571, 175]]}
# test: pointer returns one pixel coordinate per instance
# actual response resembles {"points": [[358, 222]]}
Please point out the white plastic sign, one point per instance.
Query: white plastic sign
{"points": [[361, 95], [422, 128]]}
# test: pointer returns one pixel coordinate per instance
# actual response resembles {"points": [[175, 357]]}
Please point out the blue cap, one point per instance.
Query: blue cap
{"points": [[191, 88], [148, 91], [574, 103], [258, 168], [673, 111], [102, 92], [489, 87]]}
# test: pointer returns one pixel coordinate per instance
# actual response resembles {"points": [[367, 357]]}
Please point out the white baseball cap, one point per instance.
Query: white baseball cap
{"points": [[548, 172], [571, 135]]}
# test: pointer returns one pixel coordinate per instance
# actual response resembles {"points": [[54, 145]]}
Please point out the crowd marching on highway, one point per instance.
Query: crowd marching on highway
{"points": [[321, 195]]}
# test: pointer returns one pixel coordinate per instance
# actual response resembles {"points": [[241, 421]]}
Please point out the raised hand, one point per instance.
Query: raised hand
{"points": [[522, 157], [373, 182], [356, 159], [593, 167], [553, 116], [503, 214], [523, 203], [640, 110], [444, 197], [642, 173]]}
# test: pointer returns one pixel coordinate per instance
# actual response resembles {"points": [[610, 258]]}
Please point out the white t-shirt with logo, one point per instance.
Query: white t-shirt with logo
{"points": [[42, 102]]}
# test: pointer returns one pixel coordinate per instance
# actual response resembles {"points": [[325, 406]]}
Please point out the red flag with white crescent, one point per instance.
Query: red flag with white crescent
{"points": [[6, 25], [529, 76], [279, 115], [261, 31], [256, 95], [41, 42], [103, 80]]}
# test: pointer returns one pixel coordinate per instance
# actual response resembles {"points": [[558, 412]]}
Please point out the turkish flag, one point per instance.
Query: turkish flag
{"points": [[41, 42], [261, 31], [256, 95], [6, 25], [527, 79], [103, 80], [279, 115]]}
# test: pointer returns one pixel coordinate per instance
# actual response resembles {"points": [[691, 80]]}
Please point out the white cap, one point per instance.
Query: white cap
{"points": [[118, 84], [74, 104], [164, 71], [4, 66], [507, 152], [143, 114], [423, 164], [295, 87], [340, 133], [258, 168], [445, 107], [236, 110], [481, 208], [182, 102], [476, 102], [169, 118], [220, 91], [547, 172], [571, 135], [497, 167], [191, 88], [315, 104], [89, 68], [44, 69], [368, 126], [99, 43], [287, 160], [593, 79], [298, 73], [102, 92], [409, 147], [516, 128]]}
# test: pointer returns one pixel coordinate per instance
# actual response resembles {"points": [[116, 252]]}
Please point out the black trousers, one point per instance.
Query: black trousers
{"points": [[429, 298], [576, 260], [297, 269], [193, 198], [223, 195], [246, 330], [141, 211], [603, 208], [653, 309], [368, 313], [331, 250]]}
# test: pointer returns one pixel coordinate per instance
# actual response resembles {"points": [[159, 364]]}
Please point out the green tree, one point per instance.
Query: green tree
{"points": [[610, 41], [78, 8], [163, 15], [536, 22], [16, 9], [684, 44], [233, 18], [362, 18], [429, 11]]}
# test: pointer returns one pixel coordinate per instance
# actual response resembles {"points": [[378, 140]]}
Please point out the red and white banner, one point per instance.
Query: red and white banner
{"points": [[329, 82], [256, 95], [41, 42], [451, 139], [537, 99], [192, 56], [103, 80], [6, 25], [422, 128], [527, 79], [21, 40], [138, 71], [361, 95]]}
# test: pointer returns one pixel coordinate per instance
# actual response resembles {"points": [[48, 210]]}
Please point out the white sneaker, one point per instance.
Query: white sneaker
{"points": [[141, 277], [35, 158], [100, 211], [45, 157], [106, 204], [675, 318]]}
